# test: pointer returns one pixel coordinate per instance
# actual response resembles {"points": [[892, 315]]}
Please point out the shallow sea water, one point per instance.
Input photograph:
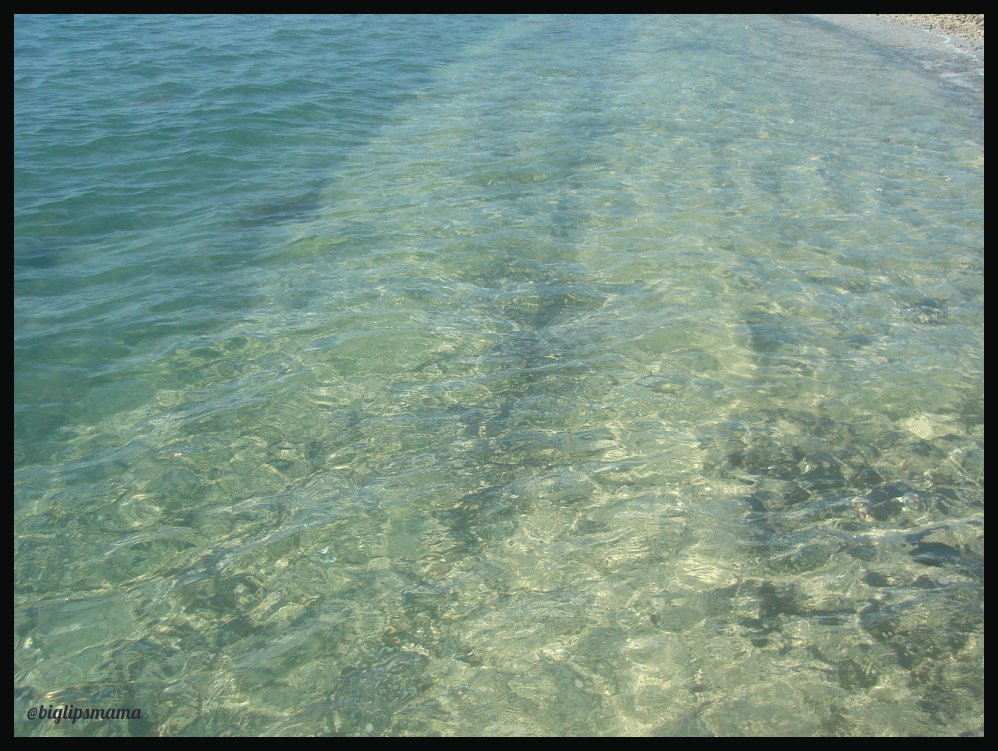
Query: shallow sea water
{"points": [[497, 376]]}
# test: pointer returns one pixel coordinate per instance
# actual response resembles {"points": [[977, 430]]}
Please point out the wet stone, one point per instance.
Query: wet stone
{"points": [[823, 472], [867, 477], [875, 579], [803, 558], [924, 448], [757, 502], [852, 675], [677, 619], [775, 601], [935, 554], [879, 620], [796, 494], [863, 549], [886, 510]]}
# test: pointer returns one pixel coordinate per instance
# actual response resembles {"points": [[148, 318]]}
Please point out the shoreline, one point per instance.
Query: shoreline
{"points": [[967, 26], [940, 43]]}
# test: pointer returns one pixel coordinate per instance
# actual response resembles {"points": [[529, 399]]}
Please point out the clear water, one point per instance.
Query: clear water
{"points": [[491, 376]]}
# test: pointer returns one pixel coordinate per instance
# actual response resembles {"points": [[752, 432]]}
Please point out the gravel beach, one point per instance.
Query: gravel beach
{"points": [[969, 26]]}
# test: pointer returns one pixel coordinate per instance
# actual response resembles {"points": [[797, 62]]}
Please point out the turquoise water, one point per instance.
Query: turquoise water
{"points": [[492, 376]]}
